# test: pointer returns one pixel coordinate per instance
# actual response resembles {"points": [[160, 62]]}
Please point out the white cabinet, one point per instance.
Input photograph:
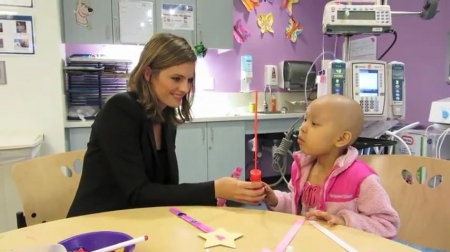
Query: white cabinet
{"points": [[208, 151], [226, 148], [191, 149]]}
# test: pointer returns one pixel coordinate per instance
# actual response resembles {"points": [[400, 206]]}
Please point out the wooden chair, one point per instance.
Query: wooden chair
{"points": [[419, 188], [47, 186]]}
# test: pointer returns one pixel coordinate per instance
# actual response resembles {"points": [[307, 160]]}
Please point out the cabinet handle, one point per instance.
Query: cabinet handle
{"points": [[203, 135], [107, 32], [117, 33], [212, 135]]}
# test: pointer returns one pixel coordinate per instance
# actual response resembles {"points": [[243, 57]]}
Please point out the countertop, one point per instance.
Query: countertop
{"points": [[209, 118]]}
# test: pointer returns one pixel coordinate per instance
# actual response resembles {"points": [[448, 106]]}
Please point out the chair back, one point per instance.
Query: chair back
{"points": [[47, 185], [419, 191]]}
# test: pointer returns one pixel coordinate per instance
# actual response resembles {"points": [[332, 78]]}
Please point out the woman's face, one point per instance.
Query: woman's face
{"points": [[172, 84]]}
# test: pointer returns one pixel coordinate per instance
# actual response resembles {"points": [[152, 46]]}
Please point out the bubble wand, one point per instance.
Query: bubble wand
{"points": [[255, 173]]}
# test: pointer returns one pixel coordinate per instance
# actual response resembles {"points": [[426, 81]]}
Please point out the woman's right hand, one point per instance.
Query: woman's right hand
{"points": [[240, 191]]}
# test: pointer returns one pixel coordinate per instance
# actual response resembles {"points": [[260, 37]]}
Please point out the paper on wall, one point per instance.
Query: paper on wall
{"points": [[177, 17]]}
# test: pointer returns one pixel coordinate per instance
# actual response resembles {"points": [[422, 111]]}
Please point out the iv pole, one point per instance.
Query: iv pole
{"points": [[430, 9]]}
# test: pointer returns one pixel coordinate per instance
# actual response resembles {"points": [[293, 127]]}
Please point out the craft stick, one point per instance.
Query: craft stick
{"points": [[333, 237], [122, 244], [191, 220], [282, 246]]}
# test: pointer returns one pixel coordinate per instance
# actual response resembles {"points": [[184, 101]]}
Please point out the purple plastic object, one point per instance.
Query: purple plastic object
{"points": [[96, 240]]}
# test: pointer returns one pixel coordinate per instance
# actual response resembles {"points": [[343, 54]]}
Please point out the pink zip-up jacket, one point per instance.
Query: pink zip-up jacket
{"points": [[352, 191]]}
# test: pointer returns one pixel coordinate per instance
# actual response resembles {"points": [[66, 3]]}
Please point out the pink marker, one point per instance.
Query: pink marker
{"points": [[236, 174]]}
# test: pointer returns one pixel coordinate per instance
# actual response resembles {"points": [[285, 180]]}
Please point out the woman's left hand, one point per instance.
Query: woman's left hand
{"points": [[321, 215]]}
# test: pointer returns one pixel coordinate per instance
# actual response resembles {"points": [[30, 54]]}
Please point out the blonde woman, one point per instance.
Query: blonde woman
{"points": [[130, 161]]}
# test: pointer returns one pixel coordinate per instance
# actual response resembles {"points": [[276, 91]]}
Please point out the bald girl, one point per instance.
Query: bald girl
{"points": [[332, 123]]}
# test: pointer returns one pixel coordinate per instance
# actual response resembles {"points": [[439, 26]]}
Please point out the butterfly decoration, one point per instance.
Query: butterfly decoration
{"points": [[293, 30], [250, 4], [287, 6], [265, 22], [239, 32]]}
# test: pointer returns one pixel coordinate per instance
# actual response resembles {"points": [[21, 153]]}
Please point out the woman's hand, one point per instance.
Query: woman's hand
{"points": [[240, 191], [321, 215]]}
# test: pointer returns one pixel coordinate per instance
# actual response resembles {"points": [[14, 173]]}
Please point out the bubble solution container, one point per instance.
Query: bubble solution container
{"points": [[96, 240]]}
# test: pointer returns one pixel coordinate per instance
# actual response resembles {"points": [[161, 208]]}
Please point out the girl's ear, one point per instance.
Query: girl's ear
{"points": [[147, 74]]}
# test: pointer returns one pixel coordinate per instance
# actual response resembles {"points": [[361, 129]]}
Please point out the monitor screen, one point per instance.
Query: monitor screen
{"points": [[368, 82], [356, 15]]}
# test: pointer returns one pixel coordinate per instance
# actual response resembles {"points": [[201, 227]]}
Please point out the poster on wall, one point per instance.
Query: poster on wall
{"points": [[16, 34], [17, 3], [177, 17]]}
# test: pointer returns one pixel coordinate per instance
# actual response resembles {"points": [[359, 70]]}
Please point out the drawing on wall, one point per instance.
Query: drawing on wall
{"points": [[265, 22], [287, 6], [16, 34], [82, 13], [240, 33], [293, 30], [250, 4]]}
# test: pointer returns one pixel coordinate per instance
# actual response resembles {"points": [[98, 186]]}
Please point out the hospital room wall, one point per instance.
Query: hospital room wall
{"points": [[422, 45], [32, 100]]}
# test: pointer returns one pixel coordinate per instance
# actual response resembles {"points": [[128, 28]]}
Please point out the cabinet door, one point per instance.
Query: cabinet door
{"points": [[116, 21], [79, 138], [215, 23], [189, 35], [226, 148], [87, 22], [192, 156]]}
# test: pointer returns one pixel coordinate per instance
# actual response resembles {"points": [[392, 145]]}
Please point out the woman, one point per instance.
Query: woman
{"points": [[130, 161]]}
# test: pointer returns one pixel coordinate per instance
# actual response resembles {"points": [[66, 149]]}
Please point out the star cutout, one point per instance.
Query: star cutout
{"points": [[220, 237]]}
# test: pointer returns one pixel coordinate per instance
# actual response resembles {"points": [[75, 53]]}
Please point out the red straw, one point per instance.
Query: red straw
{"points": [[256, 130]]}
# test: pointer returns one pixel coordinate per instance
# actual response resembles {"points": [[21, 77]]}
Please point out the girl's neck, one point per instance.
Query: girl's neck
{"points": [[326, 162]]}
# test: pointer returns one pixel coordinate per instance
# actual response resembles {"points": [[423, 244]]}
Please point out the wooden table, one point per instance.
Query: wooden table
{"points": [[168, 233]]}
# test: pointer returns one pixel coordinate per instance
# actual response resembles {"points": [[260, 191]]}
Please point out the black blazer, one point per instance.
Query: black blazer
{"points": [[120, 169]]}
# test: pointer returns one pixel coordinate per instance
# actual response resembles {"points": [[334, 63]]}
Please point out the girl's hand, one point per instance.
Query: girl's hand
{"points": [[240, 191], [271, 199], [321, 215]]}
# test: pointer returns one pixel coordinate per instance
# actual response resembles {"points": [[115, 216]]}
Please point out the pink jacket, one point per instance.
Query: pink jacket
{"points": [[352, 191]]}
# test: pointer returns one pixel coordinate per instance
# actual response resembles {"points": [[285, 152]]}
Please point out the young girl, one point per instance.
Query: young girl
{"points": [[327, 181]]}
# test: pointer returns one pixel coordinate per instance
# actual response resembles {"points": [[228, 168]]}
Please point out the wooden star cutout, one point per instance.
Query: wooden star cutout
{"points": [[220, 237]]}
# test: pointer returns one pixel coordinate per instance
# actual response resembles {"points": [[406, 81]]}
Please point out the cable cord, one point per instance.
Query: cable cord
{"points": [[440, 142], [392, 44], [309, 71], [400, 140], [281, 153]]}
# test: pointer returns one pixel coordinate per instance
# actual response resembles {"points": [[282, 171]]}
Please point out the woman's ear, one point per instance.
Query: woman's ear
{"points": [[147, 74]]}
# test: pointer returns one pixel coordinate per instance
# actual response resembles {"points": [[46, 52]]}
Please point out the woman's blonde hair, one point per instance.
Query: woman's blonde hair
{"points": [[164, 50]]}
